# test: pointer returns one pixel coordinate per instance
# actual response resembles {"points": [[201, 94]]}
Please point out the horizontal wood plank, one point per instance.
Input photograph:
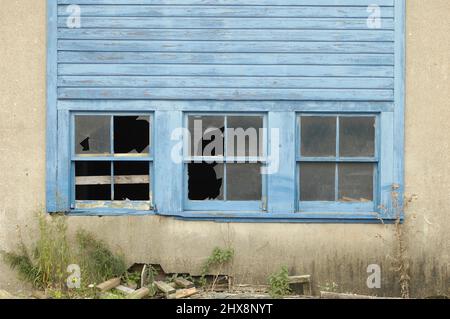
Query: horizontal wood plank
{"points": [[225, 11], [227, 46], [164, 287], [226, 94], [227, 35], [105, 180], [226, 82], [224, 58], [225, 70], [108, 285], [228, 106], [238, 2], [228, 23]]}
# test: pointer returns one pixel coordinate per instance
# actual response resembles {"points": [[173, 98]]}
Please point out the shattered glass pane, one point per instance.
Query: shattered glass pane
{"points": [[318, 136], [244, 182], [205, 181], [357, 136], [243, 136], [207, 135], [356, 182], [92, 135], [317, 181], [132, 181], [93, 180], [131, 134]]}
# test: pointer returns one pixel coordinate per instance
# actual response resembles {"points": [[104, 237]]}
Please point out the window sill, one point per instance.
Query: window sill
{"points": [[250, 217], [259, 217]]}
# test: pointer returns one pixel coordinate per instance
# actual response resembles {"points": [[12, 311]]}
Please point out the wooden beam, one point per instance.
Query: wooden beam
{"points": [[109, 284], [299, 279], [125, 289], [106, 180], [164, 287], [183, 293], [139, 294], [299, 282], [182, 282], [335, 295]]}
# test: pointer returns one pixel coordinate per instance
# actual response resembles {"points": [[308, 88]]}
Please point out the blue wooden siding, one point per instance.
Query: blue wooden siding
{"points": [[226, 50], [280, 57]]}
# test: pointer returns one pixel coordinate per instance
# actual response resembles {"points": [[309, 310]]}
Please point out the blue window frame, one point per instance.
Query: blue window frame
{"points": [[237, 168], [111, 161], [338, 162]]}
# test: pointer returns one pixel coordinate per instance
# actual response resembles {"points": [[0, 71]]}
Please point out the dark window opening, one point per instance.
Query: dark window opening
{"points": [[205, 181], [131, 134], [93, 181], [131, 181]]}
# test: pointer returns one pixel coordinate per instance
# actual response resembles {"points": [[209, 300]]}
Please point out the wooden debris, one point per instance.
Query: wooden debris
{"points": [[335, 295], [108, 285], [296, 282], [182, 282], [125, 289], [144, 275], [164, 287], [183, 293], [139, 294], [299, 279]]}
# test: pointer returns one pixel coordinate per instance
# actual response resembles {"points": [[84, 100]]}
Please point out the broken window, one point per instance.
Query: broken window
{"points": [[225, 158], [93, 180], [111, 162], [337, 158]]}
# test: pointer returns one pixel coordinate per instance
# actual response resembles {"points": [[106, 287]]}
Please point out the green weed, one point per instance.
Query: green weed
{"points": [[279, 283]]}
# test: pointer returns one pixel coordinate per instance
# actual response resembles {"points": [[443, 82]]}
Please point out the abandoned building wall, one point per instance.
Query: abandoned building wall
{"points": [[331, 253]]}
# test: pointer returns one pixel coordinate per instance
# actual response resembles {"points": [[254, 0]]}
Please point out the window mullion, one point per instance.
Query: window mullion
{"points": [[225, 154], [112, 181], [111, 138], [336, 170]]}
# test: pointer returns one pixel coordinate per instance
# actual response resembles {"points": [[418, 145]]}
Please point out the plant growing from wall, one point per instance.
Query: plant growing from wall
{"points": [[98, 263], [45, 266], [279, 283], [218, 259], [401, 260], [151, 275], [132, 279]]}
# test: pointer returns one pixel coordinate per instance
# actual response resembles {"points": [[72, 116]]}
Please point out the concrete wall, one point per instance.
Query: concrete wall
{"points": [[332, 253]]}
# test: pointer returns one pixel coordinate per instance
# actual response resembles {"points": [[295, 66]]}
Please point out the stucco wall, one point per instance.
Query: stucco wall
{"points": [[332, 253]]}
